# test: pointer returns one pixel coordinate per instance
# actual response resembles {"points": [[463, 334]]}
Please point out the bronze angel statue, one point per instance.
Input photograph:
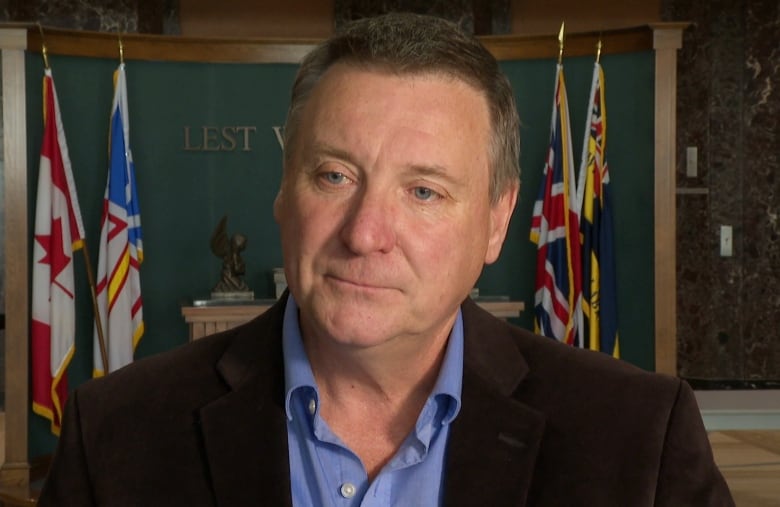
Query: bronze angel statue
{"points": [[233, 268]]}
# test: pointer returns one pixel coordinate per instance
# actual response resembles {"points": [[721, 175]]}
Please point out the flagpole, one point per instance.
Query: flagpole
{"points": [[598, 50], [44, 51], [98, 323], [90, 276], [121, 47], [560, 43]]}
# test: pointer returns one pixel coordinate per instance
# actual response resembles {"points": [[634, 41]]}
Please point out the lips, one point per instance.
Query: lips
{"points": [[360, 283]]}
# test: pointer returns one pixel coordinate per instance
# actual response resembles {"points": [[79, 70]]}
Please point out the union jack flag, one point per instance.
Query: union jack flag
{"points": [[555, 230]]}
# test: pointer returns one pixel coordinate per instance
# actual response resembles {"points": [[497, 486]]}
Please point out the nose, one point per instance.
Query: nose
{"points": [[369, 225]]}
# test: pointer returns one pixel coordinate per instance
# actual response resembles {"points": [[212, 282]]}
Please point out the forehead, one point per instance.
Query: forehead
{"points": [[381, 75], [359, 100]]}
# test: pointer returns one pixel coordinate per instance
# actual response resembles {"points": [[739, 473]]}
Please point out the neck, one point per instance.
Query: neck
{"points": [[391, 374], [371, 397]]}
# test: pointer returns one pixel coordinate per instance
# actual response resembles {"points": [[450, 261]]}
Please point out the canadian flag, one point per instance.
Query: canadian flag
{"points": [[59, 232]]}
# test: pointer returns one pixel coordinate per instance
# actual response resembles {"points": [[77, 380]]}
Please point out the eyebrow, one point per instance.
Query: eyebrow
{"points": [[319, 149], [435, 171]]}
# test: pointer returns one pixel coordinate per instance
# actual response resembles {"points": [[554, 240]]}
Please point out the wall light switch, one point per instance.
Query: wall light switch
{"points": [[726, 241], [691, 161]]}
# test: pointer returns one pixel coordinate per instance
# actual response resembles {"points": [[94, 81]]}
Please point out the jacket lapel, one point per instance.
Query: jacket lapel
{"points": [[244, 431], [495, 439]]}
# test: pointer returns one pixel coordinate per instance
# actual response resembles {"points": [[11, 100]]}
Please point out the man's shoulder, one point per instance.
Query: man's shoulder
{"points": [[545, 369], [549, 355], [191, 373], [185, 363]]}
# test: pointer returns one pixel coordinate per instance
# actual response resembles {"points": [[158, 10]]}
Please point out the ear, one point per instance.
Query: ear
{"points": [[500, 213]]}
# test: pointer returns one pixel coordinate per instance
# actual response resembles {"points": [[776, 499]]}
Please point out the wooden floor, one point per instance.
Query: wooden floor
{"points": [[749, 460]]}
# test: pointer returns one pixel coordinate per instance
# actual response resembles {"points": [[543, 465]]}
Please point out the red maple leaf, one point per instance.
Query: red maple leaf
{"points": [[54, 245]]}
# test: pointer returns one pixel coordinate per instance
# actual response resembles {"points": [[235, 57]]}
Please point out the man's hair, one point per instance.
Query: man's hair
{"points": [[410, 44]]}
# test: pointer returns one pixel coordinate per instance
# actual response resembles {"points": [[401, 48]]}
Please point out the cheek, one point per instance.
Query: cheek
{"points": [[448, 252], [310, 226]]}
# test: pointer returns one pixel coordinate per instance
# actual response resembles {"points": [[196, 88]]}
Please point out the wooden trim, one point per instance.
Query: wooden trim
{"points": [[15, 469], [515, 47], [20, 496], [280, 50], [667, 39], [11, 38], [169, 48]]}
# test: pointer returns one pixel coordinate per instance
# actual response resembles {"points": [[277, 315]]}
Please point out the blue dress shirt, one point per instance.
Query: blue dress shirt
{"points": [[325, 472]]}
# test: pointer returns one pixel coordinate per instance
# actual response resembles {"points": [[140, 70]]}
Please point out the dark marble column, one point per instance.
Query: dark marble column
{"points": [[728, 102]]}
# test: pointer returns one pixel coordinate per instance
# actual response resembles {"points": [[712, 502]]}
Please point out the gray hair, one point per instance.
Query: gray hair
{"points": [[406, 44]]}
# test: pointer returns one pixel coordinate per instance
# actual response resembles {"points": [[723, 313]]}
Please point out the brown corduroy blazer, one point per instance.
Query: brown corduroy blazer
{"points": [[540, 424]]}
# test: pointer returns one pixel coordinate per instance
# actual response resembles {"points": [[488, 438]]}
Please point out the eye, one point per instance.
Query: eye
{"points": [[334, 177], [424, 193]]}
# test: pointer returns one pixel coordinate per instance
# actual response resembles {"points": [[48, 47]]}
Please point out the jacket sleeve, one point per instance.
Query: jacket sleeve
{"points": [[688, 473], [68, 483]]}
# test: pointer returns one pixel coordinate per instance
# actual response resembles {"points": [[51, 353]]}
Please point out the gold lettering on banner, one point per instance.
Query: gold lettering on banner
{"points": [[246, 136], [229, 136], [212, 138]]}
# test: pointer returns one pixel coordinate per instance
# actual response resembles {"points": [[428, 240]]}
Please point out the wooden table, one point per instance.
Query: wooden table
{"points": [[205, 319]]}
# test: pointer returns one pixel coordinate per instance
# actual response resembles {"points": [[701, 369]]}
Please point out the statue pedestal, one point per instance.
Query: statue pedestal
{"points": [[246, 295], [207, 316]]}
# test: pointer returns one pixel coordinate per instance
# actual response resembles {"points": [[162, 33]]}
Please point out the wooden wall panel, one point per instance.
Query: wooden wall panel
{"points": [[256, 18], [537, 18]]}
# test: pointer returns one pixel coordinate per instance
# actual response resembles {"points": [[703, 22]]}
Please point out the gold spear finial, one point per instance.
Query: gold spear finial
{"points": [[121, 47], [44, 51], [560, 43], [598, 50]]}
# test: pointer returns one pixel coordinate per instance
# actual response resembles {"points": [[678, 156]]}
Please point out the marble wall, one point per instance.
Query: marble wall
{"points": [[728, 107], [487, 17], [147, 16]]}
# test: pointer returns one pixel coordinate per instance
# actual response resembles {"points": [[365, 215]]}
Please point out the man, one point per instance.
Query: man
{"points": [[376, 381]]}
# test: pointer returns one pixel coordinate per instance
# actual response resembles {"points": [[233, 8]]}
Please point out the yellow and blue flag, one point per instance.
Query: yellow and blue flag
{"points": [[599, 290]]}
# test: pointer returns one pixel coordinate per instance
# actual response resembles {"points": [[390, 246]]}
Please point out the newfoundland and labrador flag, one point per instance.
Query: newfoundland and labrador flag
{"points": [[121, 252], [59, 232], [599, 290], [555, 230]]}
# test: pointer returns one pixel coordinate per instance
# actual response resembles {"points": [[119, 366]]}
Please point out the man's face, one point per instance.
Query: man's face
{"points": [[384, 209]]}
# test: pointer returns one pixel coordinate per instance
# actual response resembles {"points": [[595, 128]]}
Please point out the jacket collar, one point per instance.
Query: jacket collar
{"points": [[495, 440], [244, 431]]}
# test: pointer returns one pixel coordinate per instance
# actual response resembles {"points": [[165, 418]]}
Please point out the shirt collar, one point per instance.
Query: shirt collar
{"points": [[298, 373], [297, 369]]}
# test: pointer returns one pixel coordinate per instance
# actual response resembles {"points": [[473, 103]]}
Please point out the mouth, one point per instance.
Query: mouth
{"points": [[358, 284]]}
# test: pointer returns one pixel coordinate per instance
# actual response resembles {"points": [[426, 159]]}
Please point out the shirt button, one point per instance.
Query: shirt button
{"points": [[312, 406], [348, 490]]}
